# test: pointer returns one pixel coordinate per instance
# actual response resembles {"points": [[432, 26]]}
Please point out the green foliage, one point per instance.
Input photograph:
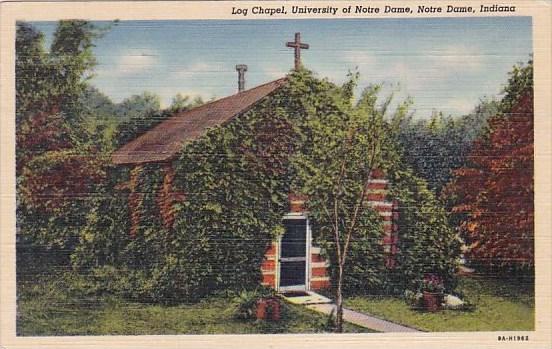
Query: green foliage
{"points": [[136, 268], [67, 304], [146, 248], [99, 117], [519, 82], [342, 143], [494, 305], [436, 146], [244, 303], [31, 73], [71, 61], [137, 106], [58, 77], [58, 167], [181, 103], [235, 182], [48, 85], [427, 243], [364, 271], [235, 198], [103, 237]]}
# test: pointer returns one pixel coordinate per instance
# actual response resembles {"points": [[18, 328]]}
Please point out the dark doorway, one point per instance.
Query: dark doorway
{"points": [[293, 253]]}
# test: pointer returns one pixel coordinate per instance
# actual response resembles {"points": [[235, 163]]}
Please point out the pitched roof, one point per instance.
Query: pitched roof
{"points": [[165, 140]]}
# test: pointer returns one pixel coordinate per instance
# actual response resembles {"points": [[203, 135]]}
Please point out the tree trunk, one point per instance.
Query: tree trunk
{"points": [[339, 301]]}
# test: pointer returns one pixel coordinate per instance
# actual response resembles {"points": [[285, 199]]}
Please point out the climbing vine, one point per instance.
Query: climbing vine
{"points": [[233, 185], [427, 243], [229, 191]]}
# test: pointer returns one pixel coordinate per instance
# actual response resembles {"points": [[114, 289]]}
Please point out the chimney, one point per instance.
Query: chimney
{"points": [[241, 68]]}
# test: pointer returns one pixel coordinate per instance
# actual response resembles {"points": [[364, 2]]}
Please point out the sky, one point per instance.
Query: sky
{"points": [[443, 64]]}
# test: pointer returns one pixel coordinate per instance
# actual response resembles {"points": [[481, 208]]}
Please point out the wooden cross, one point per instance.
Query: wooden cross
{"points": [[297, 45]]}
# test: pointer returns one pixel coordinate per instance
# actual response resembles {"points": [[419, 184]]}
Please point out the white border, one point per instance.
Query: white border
{"points": [[539, 10]]}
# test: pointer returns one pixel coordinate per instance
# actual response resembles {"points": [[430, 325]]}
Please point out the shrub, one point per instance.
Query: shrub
{"points": [[365, 270], [427, 244]]}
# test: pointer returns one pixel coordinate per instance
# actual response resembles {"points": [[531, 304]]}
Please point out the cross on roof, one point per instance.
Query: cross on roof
{"points": [[297, 45]]}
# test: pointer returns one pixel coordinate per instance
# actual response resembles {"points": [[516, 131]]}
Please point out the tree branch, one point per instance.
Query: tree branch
{"points": [[360, 203], [336, 193]]}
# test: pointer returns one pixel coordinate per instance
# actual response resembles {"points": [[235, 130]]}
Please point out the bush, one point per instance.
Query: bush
{"points": [[427, 244], [235, 180], [365, 269]]}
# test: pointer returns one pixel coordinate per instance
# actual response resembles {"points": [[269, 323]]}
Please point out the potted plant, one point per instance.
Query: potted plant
{"points": [[260, 304], [433, 291]]}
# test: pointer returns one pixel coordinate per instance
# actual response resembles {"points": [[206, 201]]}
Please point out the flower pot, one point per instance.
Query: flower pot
{"points": [[274, 309], [268, 309], [261, 309], [432, 301]]}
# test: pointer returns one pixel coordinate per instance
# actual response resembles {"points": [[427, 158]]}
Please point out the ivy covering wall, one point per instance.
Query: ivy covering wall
{"points": [[236, 180], [427, 243]]}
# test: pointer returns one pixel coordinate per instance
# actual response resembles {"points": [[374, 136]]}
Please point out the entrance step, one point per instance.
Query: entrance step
{"points": [[304, 297]]}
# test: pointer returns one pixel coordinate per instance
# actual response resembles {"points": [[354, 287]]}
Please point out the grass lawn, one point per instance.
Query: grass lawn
{"points": [[501, 305], [51, 306]]}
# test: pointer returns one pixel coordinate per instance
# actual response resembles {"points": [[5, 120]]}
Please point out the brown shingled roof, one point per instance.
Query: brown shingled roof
{"points": [[165, 140]]}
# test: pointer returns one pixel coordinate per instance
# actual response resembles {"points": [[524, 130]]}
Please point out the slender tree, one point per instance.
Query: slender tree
{"points": [[347, 145]]}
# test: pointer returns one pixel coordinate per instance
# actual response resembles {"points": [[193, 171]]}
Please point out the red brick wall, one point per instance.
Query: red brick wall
{"points": [[134, 199], [319, 276], [388, 210], [268, 267], [165, 199]]}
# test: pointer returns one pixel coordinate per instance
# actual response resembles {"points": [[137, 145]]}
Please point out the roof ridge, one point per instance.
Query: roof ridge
{"points": [[163, 141], [224, 98]]}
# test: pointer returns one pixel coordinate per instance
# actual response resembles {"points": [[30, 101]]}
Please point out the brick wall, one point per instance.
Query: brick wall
{"points": [[319, 274], [319, 270], [268, 268], [388, 210]]}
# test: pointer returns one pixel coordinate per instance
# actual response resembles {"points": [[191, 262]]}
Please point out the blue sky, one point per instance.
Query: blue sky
{"points": [[443, 64]]}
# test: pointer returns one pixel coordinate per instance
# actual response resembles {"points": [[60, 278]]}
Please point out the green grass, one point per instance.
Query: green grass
{"points": [[500, 305], [62, 306], [56, 306]]}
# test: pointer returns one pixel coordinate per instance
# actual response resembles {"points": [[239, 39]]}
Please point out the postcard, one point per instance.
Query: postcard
{"points": [[275, 173]]}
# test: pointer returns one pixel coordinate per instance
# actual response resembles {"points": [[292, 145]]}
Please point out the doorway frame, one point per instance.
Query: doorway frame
{"points": [[308, 243]]}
